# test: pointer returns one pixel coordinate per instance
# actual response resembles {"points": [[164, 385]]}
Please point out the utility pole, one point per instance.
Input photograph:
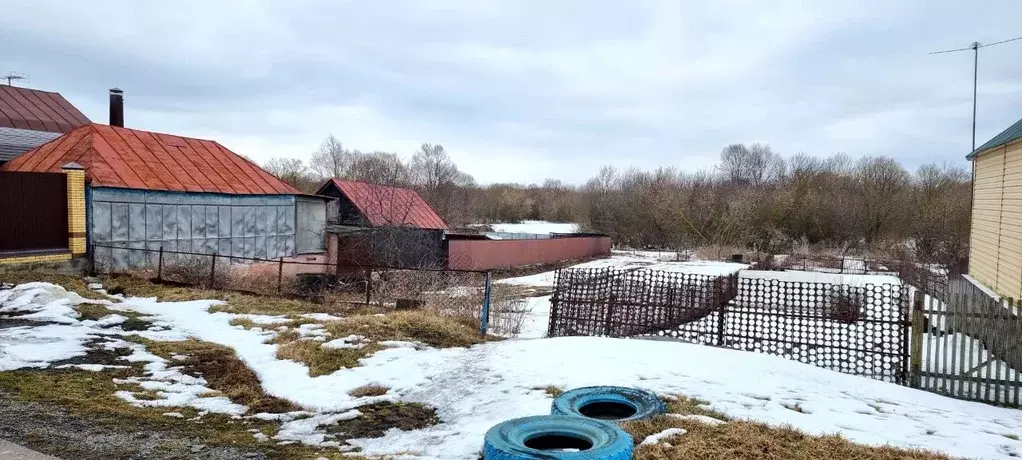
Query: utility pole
{"points": [[975, 46]]}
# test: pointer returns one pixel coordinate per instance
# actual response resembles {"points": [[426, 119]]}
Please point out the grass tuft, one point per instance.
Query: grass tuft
{"points": [[368, 390], [323, 361], [551, 390], [94, 312], [376, 419], [420, 326]]}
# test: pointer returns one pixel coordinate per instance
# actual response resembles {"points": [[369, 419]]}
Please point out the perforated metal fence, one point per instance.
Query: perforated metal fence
{"points": [[861, 330]]}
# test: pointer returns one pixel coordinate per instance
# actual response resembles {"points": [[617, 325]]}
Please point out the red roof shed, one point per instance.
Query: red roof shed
{"points": [[385, 206], [135, 159], [35, 110]]}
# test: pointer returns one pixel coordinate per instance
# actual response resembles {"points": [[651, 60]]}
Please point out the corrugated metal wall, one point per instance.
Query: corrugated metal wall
{"points": [[497, 254], [310, 233], [995, 245], [261, 226]]}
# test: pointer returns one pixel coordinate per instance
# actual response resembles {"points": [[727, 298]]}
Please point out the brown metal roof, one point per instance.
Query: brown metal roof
{"points": [[385, 206], [36, 110], [131, 158]]}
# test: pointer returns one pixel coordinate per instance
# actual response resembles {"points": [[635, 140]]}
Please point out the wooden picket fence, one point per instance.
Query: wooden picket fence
{"points": [[967, 344]]}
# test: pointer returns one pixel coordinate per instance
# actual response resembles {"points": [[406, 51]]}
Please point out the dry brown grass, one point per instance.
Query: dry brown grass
{"points": [[552, 391], [91, 395], [321, 360], [284, 337], [368, 390], [376, 419], [744, 440], [234, 302], [223, 371], [93, 312], [754, 441], [416, 325]]}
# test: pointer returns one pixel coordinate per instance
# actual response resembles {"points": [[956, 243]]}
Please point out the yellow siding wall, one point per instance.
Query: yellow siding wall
{"points": [[996, 241]]}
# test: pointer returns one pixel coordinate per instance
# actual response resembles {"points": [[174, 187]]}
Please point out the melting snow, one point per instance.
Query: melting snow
{"points": [[474, 388], [656, 438]]}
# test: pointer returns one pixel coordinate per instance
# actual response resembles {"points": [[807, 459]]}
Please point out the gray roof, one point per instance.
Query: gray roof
{"points": [[15, 141], [1013, 132]]}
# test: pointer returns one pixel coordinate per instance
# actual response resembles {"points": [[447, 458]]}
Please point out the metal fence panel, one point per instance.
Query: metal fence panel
{"points": [[33, 211]]}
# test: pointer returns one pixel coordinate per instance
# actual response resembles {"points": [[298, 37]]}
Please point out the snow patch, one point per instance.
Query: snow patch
{"points": [[351, 341], [654, 439]]}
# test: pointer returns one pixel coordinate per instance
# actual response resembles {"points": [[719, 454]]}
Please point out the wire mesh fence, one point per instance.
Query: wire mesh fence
{"points": [[454, 293], [622, 303], [860, 330]]}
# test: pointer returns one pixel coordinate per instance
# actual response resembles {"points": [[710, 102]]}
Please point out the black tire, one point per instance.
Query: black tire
{"points": [[532, 438], [614, 404]]}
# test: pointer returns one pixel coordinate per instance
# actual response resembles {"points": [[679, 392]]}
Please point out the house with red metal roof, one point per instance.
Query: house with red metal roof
{"points": [[146, 191], [30, 118], [371, 205]]}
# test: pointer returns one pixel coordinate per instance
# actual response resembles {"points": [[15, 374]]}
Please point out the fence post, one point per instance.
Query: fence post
{"points": [[159, 266], [484, 316], [718, 296], [369, 286], [280, 274], [916, 356], [212, 273], [554, 304]]}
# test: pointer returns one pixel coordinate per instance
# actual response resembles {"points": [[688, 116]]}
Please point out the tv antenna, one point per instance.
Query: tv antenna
{"points": [[12, 75], [975, 46]]}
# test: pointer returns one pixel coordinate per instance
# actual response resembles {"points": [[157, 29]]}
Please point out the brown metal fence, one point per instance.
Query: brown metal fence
{"points": [[33, 211], [860, 330]]}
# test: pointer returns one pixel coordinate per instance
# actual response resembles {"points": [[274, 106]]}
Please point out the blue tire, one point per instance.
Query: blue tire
{"points": [[615, 404], [544, 437]]}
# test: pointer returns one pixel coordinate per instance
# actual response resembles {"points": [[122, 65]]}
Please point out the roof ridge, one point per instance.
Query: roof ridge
{"points": [[1012, 133]]}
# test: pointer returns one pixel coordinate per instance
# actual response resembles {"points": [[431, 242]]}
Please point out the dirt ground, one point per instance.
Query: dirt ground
{"points": [[52, 430]]}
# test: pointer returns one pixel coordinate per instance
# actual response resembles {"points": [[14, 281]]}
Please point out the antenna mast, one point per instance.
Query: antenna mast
{"points": [[975, 46], [12, 75]]}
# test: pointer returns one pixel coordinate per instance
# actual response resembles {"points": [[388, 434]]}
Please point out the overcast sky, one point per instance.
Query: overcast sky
{"points": [[521, 90]]}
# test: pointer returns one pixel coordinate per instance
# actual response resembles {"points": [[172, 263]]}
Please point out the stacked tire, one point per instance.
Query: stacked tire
{"points": [[582, 426]]}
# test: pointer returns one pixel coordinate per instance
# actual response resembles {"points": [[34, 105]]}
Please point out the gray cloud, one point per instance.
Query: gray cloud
{"points": [[524, 90]]}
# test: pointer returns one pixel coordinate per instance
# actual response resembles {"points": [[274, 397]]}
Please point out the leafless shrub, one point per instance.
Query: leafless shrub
{"points": [[845, 306], [197, 270]]}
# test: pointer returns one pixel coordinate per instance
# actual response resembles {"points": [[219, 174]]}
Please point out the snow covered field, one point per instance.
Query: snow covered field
{"points": [[474, 388]]}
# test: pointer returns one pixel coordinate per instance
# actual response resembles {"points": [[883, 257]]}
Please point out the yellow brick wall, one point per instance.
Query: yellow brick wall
{"points": [[76, 210], [41, 258]]}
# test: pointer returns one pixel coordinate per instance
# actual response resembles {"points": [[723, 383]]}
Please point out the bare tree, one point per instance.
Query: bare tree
{"points": [[330, 160], [439, 181], [882, 186], [754, 165], [292, 171], [379, 168]]}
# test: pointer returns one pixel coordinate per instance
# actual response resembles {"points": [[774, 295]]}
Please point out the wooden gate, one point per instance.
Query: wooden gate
{"points": [[33, 212], [967, 344]]}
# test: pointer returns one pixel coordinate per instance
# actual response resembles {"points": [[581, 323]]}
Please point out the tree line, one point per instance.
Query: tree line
{"points": [[754, 198]]}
